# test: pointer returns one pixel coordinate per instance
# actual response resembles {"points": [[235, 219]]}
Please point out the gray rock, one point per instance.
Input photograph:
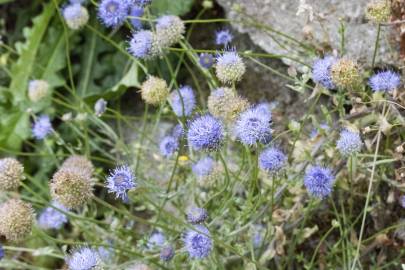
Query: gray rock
{"points": [[259, 18]]}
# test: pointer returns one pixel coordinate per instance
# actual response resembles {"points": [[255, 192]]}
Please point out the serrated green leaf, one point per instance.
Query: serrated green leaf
{"points": [[22, 70]]}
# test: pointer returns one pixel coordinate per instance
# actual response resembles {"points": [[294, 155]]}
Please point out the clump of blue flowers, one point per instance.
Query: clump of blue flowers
{"points": [[349, 142], [52, 218], [223, 37], [83, 258], [120, 180], [113, 12], [197, 242], [168, 146], [253, 126], [319, 181], [183, 101], [272, 159], [321, 71], [42, 127], [205, 133], [385, 81]]}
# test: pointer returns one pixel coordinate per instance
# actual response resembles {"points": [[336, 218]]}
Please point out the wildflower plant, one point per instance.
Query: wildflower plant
{"points": [[229, 157]]}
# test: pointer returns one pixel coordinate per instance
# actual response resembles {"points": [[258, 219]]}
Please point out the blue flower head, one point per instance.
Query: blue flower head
{"points": [[136, 11], [156, 240], [203, 167], [83, 259], [223, 37], [113, 12], [42, 127], [321, 71], [264, 108], [319, 181], [205, 133], [196, 215], [272, 159], [178, 131], [166, 253], [75, 16], [349, 143], [206, 60], [198, 242], [120, 180], [51, 218], [140, 45], [385, 81], [253, 127], [183, 101], [168, 146], [230, 67]]}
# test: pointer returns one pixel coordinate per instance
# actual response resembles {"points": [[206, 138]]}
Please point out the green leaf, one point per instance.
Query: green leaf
{"points": [[14, 129], [174, 7], [21, 71]]}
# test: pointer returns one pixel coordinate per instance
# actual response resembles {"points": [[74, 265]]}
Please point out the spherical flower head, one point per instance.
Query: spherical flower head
{"points": [[154, 91], [203, 167], [169, 30], [79, 164], [226, 104], [37, 90], [205, 133], [156, 240], [229, 67], [178, 131], [84, 259], [319, 181], [100, 107], [168, 146], [166, 253], [120, 180], [42, 127], [349, 143], [136, 11], [223, 37], [386, 81], [143, 44], [50, 218], [16, 219], [321, 71], [272, 159], [11, 174], [379, 11], [76, 16], [198, 242], [196, 215], [183, 101], [345, 73], [113, 12], [402, 201], [264, 108], [206, 60], [71, 188], [253, 127]]}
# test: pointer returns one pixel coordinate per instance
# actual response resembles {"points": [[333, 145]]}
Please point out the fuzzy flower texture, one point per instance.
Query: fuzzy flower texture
{"points": [[76, 16], [349, 143], [183, 101], [205, 133], [272, 159], [51, 218], [223, 37], [83, 259], [253, 126], [319, 181], [168, 146], [321, 72], [230, 67], [120, 180], [113, 12], [385, 81], [198, 242], [42, 127]]}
